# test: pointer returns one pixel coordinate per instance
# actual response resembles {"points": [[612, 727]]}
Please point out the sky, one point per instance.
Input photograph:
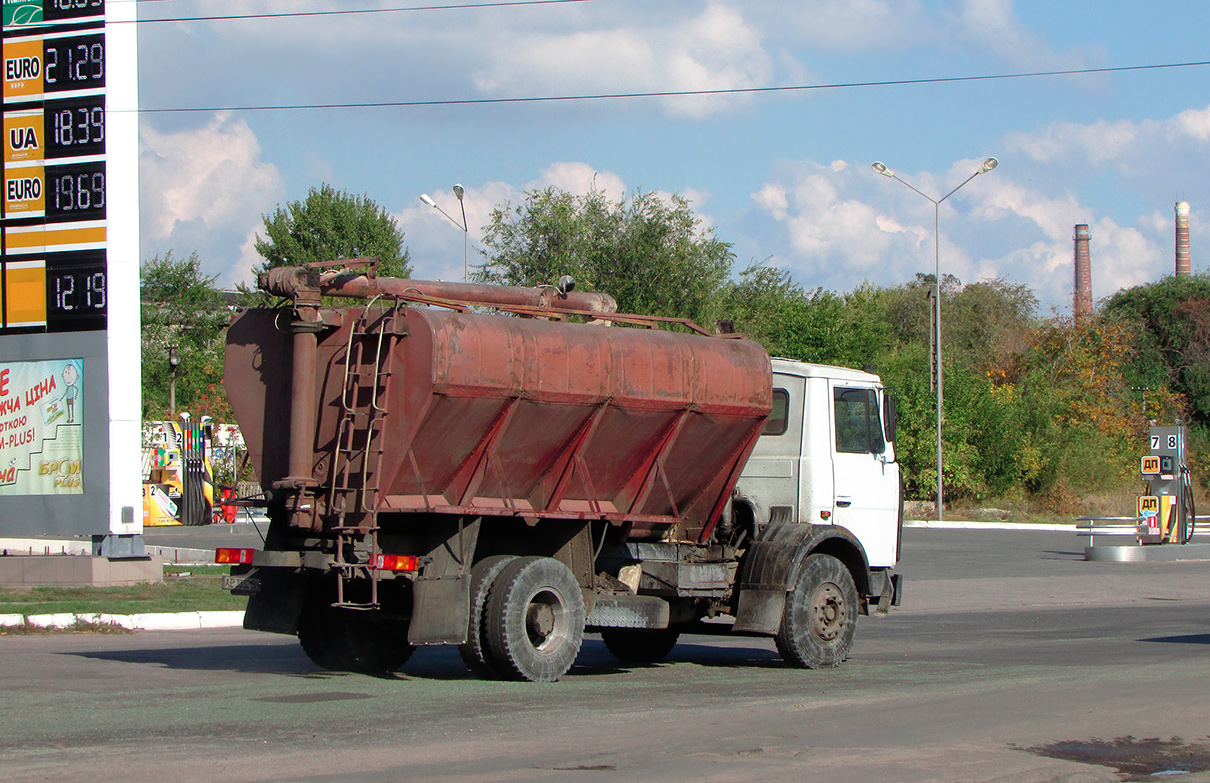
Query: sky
{"points": [[784, 176]]}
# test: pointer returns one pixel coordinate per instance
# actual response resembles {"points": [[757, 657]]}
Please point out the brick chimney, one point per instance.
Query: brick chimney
{"points": [[1184, 267], [1082, 300]]}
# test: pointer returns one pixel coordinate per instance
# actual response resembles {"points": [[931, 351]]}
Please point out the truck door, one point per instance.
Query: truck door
{"points": [[770, 478], [865, 475]]}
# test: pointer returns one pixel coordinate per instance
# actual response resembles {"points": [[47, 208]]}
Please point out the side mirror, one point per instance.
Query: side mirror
{"points": [[890, 414]]}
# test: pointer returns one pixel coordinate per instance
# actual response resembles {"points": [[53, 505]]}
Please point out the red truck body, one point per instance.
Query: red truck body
{"points": [[507, 416]]}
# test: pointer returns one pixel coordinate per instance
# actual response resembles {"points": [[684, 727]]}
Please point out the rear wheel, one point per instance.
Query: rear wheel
{"points": [[351, 640], [638, 645], [535, 620], [474, 649], [820, 617], [323, 639], [379, 645]]}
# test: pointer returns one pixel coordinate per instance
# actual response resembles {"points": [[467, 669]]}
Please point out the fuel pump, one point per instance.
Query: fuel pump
{"points": [[1167, 509]]}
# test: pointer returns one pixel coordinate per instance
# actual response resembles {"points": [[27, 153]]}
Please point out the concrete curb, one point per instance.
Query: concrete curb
{"points": [[958, 525], [161, 621]]}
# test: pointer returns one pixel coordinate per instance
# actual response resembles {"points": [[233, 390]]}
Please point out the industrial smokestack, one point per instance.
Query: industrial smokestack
{"points": [[1183, 265], [1082, 301]]}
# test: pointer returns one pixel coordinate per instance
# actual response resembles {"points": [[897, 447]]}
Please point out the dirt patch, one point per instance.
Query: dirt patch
{"points": [[1133, 759]]}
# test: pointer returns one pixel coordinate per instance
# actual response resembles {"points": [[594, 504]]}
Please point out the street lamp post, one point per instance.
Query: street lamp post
{"points": [[459, 191], [174, 361], [987, 166]]}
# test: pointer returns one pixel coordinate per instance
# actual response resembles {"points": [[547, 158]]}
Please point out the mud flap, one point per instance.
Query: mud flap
{"points": [[276, 606], [765, 578], [441, 596], [760, 611], [441, 610]]}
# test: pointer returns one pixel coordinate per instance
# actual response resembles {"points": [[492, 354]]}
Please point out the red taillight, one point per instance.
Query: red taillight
{"points": [[396, 563], [225, 555]]}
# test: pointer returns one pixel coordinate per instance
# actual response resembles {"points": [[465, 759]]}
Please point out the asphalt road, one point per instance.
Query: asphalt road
{"points": [[1011, 660]]}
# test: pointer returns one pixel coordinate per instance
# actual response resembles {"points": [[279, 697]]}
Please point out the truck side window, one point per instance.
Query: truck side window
{"points": [[779, 419], [858, 428]]}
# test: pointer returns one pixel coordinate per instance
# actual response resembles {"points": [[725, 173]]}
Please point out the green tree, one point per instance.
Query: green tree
{"points": [[181, 307], [989, 323], [331, 224], [820, 326], [1173, 316], [651, 254]]}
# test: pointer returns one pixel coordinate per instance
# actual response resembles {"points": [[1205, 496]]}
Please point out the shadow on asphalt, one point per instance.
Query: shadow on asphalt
{"points": [[1062, 555], [244, 658], [1193, 638], [429, 663]]}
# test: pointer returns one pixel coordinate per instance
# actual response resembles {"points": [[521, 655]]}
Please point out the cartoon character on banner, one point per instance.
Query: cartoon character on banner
{"points": [[71, 377]]}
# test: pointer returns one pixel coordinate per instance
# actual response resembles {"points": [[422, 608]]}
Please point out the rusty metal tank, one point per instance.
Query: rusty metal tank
{"points": [[437, 411]]}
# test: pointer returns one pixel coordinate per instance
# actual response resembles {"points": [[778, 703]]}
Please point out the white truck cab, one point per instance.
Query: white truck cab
{"points": [[827, 457]]}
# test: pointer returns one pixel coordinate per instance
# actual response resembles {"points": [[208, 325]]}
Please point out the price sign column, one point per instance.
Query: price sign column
{"points": [[69, 273], [54, 276]]}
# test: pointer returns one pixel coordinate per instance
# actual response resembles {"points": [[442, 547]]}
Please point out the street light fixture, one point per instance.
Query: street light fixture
{"points": [[880, 168], [459, 192]]}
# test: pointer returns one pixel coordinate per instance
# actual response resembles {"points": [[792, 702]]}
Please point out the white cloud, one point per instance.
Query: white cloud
{"points": [[847, 25], [205, 189], [992, 26], [717, 49], [579, 178], [1194, 123], [1016, 222], [845, 225], [835, 237], [1001, 196], [1097, 143], [773, 199], [249, 259]]}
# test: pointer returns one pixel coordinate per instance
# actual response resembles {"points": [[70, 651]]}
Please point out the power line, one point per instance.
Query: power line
{"points": [[346, 12], [672, 93]]}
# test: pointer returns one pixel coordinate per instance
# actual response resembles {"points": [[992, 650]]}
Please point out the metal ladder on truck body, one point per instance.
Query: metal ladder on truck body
{"points": [[353, 496]]}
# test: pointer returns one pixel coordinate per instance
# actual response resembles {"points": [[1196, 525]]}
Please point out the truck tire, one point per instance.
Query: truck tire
{"points": [[379, 646], [820, 617], [535, 620], [350, 641], [322, 640], [474, 649], [635, 645]]}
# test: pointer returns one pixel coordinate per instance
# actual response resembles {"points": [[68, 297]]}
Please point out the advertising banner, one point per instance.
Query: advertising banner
{"points": [[41, 441]]}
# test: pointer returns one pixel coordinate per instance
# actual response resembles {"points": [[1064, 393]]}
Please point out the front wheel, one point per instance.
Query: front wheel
{"points": [[535, 620], [820, 617]]}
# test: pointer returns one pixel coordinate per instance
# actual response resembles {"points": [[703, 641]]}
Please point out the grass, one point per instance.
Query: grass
{"points": [[79, 626], [195, 593], [177, 570]]}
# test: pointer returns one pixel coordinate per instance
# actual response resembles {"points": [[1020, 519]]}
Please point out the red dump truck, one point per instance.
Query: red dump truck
{"points": [[507, 468]]}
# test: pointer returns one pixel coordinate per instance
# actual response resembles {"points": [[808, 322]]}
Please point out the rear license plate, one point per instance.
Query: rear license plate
{"points": [[241, 585]]}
